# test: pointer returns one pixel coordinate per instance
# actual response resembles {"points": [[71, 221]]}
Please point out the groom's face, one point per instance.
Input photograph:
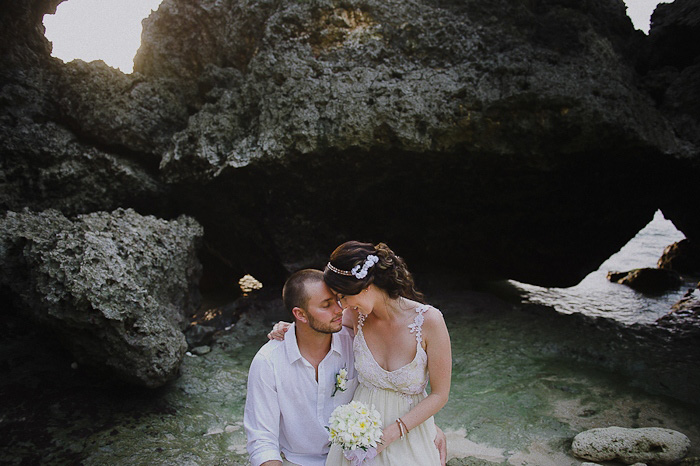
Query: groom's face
{"points": [[322, 311]]}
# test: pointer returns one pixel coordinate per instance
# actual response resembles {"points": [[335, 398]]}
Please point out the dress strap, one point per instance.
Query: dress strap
{"points": [[417, 325]]}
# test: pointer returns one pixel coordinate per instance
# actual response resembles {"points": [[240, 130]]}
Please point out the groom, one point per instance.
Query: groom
{"points": [[293, 385]]}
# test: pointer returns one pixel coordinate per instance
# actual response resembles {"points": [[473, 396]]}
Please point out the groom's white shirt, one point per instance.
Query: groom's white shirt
{"points": [[286, 410]]}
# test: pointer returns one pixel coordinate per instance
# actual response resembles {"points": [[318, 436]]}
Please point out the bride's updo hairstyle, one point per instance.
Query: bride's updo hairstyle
{"points": [[351, 269]]}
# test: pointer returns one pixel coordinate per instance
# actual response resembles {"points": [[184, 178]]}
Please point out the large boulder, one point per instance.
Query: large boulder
{"points": [[682, 256], [115, 287], [654, 446]]}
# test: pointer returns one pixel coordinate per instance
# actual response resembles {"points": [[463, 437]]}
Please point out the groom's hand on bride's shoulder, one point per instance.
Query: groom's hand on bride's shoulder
{"points": [[441, 444], [278, 331]]}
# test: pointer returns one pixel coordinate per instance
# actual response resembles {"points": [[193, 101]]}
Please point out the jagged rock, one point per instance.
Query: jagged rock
{"points": [[651, 445], [682, 256], [115, 287], [674, 50], [115, 111], [396, 102], [47, 159], [671, 71], [684, 317], [648, 280]]}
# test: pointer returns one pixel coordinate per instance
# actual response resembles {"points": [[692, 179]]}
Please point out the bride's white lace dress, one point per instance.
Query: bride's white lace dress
{"points": [[393, 394]]}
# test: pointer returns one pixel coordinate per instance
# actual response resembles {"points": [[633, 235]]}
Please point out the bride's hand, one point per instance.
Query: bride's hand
{"points": [[278, 331], [389, 435]]}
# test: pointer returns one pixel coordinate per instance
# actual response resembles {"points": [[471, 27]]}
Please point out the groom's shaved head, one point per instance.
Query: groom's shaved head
{"points": [[294, 293]]}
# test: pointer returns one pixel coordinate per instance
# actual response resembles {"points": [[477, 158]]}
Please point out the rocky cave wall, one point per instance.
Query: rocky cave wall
{"points": [[500, 139]]}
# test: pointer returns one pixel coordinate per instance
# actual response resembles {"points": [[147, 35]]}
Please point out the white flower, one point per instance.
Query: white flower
{"points": [[361, 272], [341, 381], [354, 426]]}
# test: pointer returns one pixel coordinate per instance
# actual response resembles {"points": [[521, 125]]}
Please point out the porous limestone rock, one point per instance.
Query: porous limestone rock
{"points": [[654, 446], [492, 137], [116, 288]]}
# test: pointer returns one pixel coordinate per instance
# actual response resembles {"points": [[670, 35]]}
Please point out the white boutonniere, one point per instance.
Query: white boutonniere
{"points": [[341, 381]]}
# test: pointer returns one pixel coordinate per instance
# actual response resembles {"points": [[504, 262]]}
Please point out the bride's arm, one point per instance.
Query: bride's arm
{"points": [[278, 330], [437, 346]]}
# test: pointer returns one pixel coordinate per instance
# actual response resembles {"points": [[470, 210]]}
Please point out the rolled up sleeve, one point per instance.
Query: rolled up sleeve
{"points": [[262, 413]]}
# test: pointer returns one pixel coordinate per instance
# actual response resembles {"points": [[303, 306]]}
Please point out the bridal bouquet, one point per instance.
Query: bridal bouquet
{"points": [[357, 430]]}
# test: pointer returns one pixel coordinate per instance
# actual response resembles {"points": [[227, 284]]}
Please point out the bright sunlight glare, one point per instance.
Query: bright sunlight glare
{"points": [[640, 12], [110, 30], [107, 30]]}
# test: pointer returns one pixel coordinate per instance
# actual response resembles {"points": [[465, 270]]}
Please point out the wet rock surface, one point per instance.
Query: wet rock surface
{"points": [[684, 318], [116, 288], [651, 445]]}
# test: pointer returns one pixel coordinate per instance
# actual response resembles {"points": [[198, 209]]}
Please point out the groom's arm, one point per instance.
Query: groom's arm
{"points": [[261, 417]]}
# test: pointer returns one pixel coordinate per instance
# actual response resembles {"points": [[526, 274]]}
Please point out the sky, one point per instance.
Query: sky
{"points": [[110, 30]]}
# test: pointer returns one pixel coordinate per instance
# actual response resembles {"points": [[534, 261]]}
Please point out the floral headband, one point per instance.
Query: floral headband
{"points": [[358, 271]]}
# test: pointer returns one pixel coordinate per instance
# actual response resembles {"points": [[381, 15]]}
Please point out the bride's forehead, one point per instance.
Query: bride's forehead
{"points": [[320, 291]]}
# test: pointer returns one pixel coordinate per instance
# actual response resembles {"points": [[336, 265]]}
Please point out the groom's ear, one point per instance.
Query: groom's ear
{"points": [[300, 315]]}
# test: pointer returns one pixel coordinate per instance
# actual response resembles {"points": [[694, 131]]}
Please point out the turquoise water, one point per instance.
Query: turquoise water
{"points": [[515, 398]]}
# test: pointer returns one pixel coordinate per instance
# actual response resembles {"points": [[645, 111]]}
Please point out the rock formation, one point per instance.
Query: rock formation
{"points": [[670, 73], [493, 138], [683, 257], [116, 288], [648, 280]]}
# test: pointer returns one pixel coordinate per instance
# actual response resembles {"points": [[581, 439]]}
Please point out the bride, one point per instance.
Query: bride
{"points": [[400, 344]]}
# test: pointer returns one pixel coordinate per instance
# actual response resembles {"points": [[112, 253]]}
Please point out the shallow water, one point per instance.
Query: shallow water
{"points": [[516, 398], [596, 296]]}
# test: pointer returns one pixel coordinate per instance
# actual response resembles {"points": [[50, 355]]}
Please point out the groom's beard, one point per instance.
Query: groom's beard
{"points": [[321, 327]]}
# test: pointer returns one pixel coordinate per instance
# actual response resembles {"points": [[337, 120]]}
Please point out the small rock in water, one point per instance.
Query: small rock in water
{"points": [[201, 350], [652, 445], [214, 431], [648, 280]]}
